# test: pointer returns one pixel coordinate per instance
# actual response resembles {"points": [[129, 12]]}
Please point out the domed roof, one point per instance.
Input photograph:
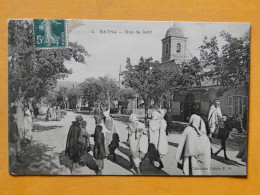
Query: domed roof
{"points": [[174, 31]]}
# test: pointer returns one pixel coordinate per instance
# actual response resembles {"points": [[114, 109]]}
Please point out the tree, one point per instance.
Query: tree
{"points": [[61, 96], [143, 78], [73, 97], [31, 72], [109, 89], [102, 89], [124, 95], [230, 67], [90, 90], [177, 78]]}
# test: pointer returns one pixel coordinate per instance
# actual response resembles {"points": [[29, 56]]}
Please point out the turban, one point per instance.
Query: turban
{"points": [[79, 118]]}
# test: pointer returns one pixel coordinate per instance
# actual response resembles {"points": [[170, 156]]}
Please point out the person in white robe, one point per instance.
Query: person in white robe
{"points": [[59, 116], [138, 141], [214, 117], [163, 142], [154, 135], [193, 151], [20, 117], [111, 136], [54, 114], [28, 125]]}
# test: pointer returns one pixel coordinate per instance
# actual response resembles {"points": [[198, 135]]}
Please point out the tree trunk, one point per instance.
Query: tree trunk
{"points": [[145, 110], [20, 116], [170, 124], [108, 98]]}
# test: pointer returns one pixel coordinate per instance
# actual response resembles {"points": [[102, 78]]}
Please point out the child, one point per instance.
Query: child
{"points": [[48, 115], [138, 141], [99, 148], [85, 148]]}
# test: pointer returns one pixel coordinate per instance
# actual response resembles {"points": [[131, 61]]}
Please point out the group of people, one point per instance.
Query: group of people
{"points": [[152, 143], [53, 114], [106, 139], [193, 154], [194, 150], [20, 130], [21, 115], [199, 154]]}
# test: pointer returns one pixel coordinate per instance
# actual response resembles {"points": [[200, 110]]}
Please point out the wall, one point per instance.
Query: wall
{"points": [[204, 98]]}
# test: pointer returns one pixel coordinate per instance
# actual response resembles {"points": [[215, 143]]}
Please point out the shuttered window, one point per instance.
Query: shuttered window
{"points": [[230, 106], [245, 104]]}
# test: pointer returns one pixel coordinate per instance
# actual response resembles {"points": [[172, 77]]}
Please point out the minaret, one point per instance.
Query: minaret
{"points": [[174, 45]]}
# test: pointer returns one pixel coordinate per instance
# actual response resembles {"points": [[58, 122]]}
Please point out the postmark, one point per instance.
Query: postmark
{"points": [[49, 33]]}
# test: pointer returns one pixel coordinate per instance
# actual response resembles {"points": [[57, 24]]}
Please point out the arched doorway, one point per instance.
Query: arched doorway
{"points": [[189, 105]]}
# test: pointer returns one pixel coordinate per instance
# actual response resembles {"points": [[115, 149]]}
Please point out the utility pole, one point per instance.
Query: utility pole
{"points": [[119, 75]]}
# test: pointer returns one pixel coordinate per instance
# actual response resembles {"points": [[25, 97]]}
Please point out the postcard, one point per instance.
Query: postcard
{"points": [[127, 97]]}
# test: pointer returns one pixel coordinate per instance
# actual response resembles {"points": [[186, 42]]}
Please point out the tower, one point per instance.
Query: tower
{"points": [[174, 45]]}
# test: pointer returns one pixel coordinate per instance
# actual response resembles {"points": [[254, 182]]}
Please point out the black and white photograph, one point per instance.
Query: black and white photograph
{"points": [[103, 97]]}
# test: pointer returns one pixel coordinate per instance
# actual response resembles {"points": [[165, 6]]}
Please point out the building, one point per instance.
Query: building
{"points": [[174, 46], [234, 102]]}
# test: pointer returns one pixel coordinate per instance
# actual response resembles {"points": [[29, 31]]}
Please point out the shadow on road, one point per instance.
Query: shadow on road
{"points": [[85, 158], [227, 162], [36, 160], [41, 128], [146, 167], [121, 161]]}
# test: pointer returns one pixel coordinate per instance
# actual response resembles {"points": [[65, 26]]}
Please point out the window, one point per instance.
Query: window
{"points": [[245, 105], [178, 48], [230, 106], [230, 111], [167, 48], [237, 106], [230, 100]]}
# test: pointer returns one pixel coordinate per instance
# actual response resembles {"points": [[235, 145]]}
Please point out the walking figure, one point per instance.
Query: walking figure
{"points": [[138, 141], [223, 135]]}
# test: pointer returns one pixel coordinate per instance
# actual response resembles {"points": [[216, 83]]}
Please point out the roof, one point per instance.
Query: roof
{"points": [[174, 31]]}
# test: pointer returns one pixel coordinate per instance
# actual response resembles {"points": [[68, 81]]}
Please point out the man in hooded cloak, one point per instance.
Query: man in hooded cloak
{"points": [[75, 141]]}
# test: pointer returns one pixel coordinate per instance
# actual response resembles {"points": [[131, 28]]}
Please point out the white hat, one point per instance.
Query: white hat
{"points": [[133, 118], [27, 112]]}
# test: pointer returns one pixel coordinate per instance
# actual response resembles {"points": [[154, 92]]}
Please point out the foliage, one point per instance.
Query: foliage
{"points": [[103, 89], [109, 89], [73, 96], [33, 73], [61, 95], [125, 94], [143, 78], [176, 78], [90, 90], [230, 67]]}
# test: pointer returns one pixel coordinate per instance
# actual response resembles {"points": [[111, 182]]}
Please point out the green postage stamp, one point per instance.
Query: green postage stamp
{"points": [[49, 33]]}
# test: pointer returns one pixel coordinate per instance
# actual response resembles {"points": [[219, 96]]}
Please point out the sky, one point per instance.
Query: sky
{"points": [[107, 51]]}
